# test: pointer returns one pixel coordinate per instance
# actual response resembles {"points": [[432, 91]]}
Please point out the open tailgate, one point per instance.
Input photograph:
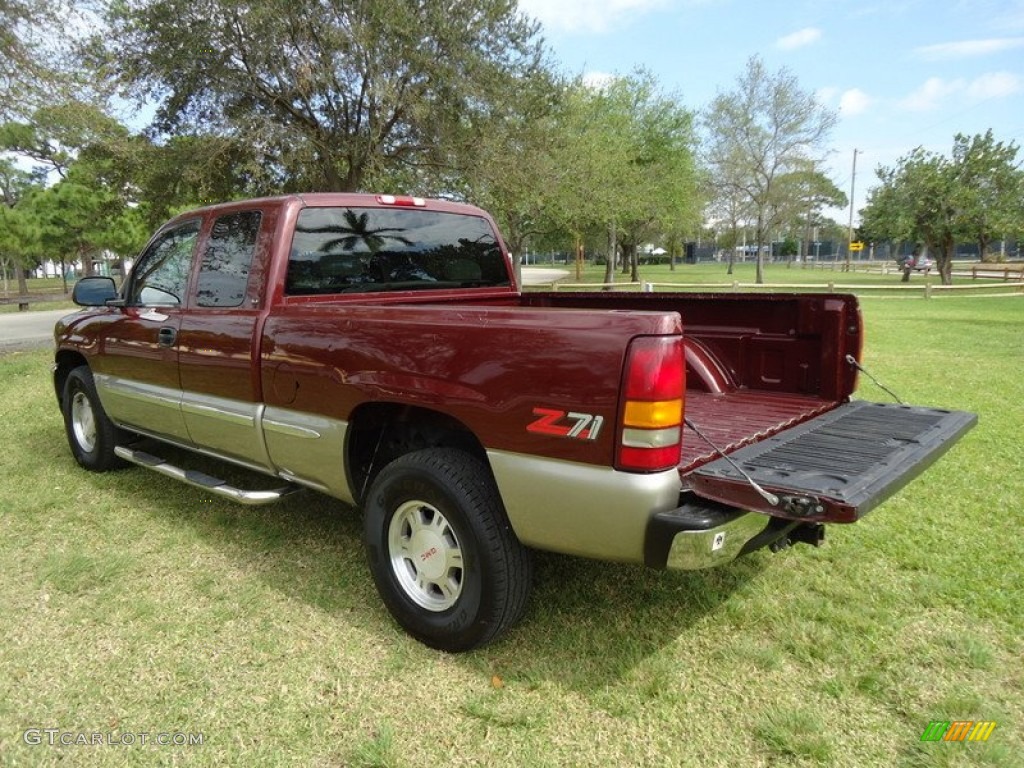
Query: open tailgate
{"points": [[835, 467]]}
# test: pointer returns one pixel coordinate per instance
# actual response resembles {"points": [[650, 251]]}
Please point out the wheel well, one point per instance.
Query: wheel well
{"points": [[66, 362], [381, 432]]}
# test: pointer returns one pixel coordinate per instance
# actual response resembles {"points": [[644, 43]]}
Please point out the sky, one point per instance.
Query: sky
{"points": [[900, 74]]}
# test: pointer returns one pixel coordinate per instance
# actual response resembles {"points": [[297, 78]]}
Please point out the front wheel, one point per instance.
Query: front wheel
{"points": [[442, 552], [91, 435]]}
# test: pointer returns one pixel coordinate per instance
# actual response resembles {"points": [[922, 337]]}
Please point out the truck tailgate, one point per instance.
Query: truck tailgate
{"points": [[837, 466]]}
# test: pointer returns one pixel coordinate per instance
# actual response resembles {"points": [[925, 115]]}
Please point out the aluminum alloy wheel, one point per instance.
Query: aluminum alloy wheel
{"points": [[425, 556], [83, 422]]}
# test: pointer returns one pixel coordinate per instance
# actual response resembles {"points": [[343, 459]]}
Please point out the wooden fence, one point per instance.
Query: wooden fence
{"points": [[904, 290], [23, 300]]}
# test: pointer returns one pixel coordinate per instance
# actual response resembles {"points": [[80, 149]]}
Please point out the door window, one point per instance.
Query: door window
{"points": [[161, 276]]}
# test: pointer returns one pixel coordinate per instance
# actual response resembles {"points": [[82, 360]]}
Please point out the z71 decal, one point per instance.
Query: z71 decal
{"points": [[580, 426]]}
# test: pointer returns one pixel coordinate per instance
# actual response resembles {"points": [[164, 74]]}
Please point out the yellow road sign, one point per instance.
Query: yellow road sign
{"points": [[856, 246]]}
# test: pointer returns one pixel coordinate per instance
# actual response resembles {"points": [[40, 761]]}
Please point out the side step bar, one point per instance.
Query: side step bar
{"points": [[202, 480]]}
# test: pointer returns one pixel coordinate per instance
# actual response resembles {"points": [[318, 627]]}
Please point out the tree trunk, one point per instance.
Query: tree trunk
{"points": [[87, 266], [634, 264], [515, 243], [944, 258], [983, 253], [517, 267], [19, 273], [609, 263], [759, 264]]}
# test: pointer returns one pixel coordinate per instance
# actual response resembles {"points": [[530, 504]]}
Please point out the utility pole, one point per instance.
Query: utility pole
{"points": [[853, 185]]}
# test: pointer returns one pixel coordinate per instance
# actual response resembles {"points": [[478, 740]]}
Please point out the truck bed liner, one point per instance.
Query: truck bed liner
{"points": [[734, 419]]}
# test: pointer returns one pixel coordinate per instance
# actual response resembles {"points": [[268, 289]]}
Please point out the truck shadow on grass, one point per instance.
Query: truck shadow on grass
{"points": [[588, 623]]}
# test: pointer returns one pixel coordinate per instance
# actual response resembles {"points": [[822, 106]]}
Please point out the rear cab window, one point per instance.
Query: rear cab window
{"points": [[364, 250]]}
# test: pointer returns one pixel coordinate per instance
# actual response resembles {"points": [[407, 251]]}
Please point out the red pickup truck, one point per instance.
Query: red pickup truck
{"points": [[377, 349]]}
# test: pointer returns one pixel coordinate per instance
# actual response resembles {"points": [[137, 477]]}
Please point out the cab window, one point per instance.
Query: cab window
{"points": [[224, 272], [161, 277], [362, 250]]}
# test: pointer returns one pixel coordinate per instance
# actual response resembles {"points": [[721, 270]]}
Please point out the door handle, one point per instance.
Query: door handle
{"points": [[167, 336]]}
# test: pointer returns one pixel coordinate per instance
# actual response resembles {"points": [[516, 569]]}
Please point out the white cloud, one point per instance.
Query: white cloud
{"points": [[931, 94], [853, 102], [585, 15], [598, 80], [963, 49], [799, 39], [935, 91], [994, 85]]}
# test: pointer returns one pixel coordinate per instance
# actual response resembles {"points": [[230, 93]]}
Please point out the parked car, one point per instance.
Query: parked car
{"points": [[919, 263]]}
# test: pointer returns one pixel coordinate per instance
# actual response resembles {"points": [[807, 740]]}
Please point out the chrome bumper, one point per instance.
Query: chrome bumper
{"points": [[700, 535]]}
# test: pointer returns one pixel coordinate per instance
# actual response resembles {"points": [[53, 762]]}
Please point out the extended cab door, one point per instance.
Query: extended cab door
{"points": [[218, 339], [139, 383]]}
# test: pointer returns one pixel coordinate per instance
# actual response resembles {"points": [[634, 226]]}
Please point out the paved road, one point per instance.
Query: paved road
{"points": [[542, 275], [28, 330]]}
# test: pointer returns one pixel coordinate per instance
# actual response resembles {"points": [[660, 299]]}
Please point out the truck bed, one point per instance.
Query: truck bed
{"points": [[732, 420]]}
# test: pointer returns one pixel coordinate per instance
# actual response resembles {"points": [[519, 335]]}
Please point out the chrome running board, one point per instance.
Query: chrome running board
{"points": [[202, 480]]}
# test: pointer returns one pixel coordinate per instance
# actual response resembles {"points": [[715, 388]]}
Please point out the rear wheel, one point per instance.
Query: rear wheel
{"points": [[91, 435], [442, 552]]}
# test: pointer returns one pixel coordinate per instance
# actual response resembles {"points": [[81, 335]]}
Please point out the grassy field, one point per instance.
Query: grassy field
{"points": [[131, 605], [865, 279]]}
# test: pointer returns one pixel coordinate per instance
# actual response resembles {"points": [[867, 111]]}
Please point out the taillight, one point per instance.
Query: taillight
{"points": [[651, 422], [417, 202]]}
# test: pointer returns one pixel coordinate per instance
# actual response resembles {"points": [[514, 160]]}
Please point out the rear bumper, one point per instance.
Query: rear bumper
{"points": [[703, 534]]}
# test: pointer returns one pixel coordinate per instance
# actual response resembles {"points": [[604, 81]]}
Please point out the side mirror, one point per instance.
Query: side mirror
{"points": [[94, 291]]}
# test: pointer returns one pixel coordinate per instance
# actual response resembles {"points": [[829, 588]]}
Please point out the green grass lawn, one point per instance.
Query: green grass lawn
{"points": [[865, 279], [130, 604]]}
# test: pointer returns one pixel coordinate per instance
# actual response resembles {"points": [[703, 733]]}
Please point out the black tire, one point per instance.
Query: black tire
{"points": [[444, 557], [91, 434]]}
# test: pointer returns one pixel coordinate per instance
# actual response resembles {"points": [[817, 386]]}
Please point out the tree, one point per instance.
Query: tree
{"points": [[18, 236], [992, 189], [511, 162], [729, 208], [623, 163], [19, 49], [53, 135], [764, 129], [921, 194], [590, 156], [335, 95], [975, 194], [37, 60], [803, 194], [662, 192]]}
